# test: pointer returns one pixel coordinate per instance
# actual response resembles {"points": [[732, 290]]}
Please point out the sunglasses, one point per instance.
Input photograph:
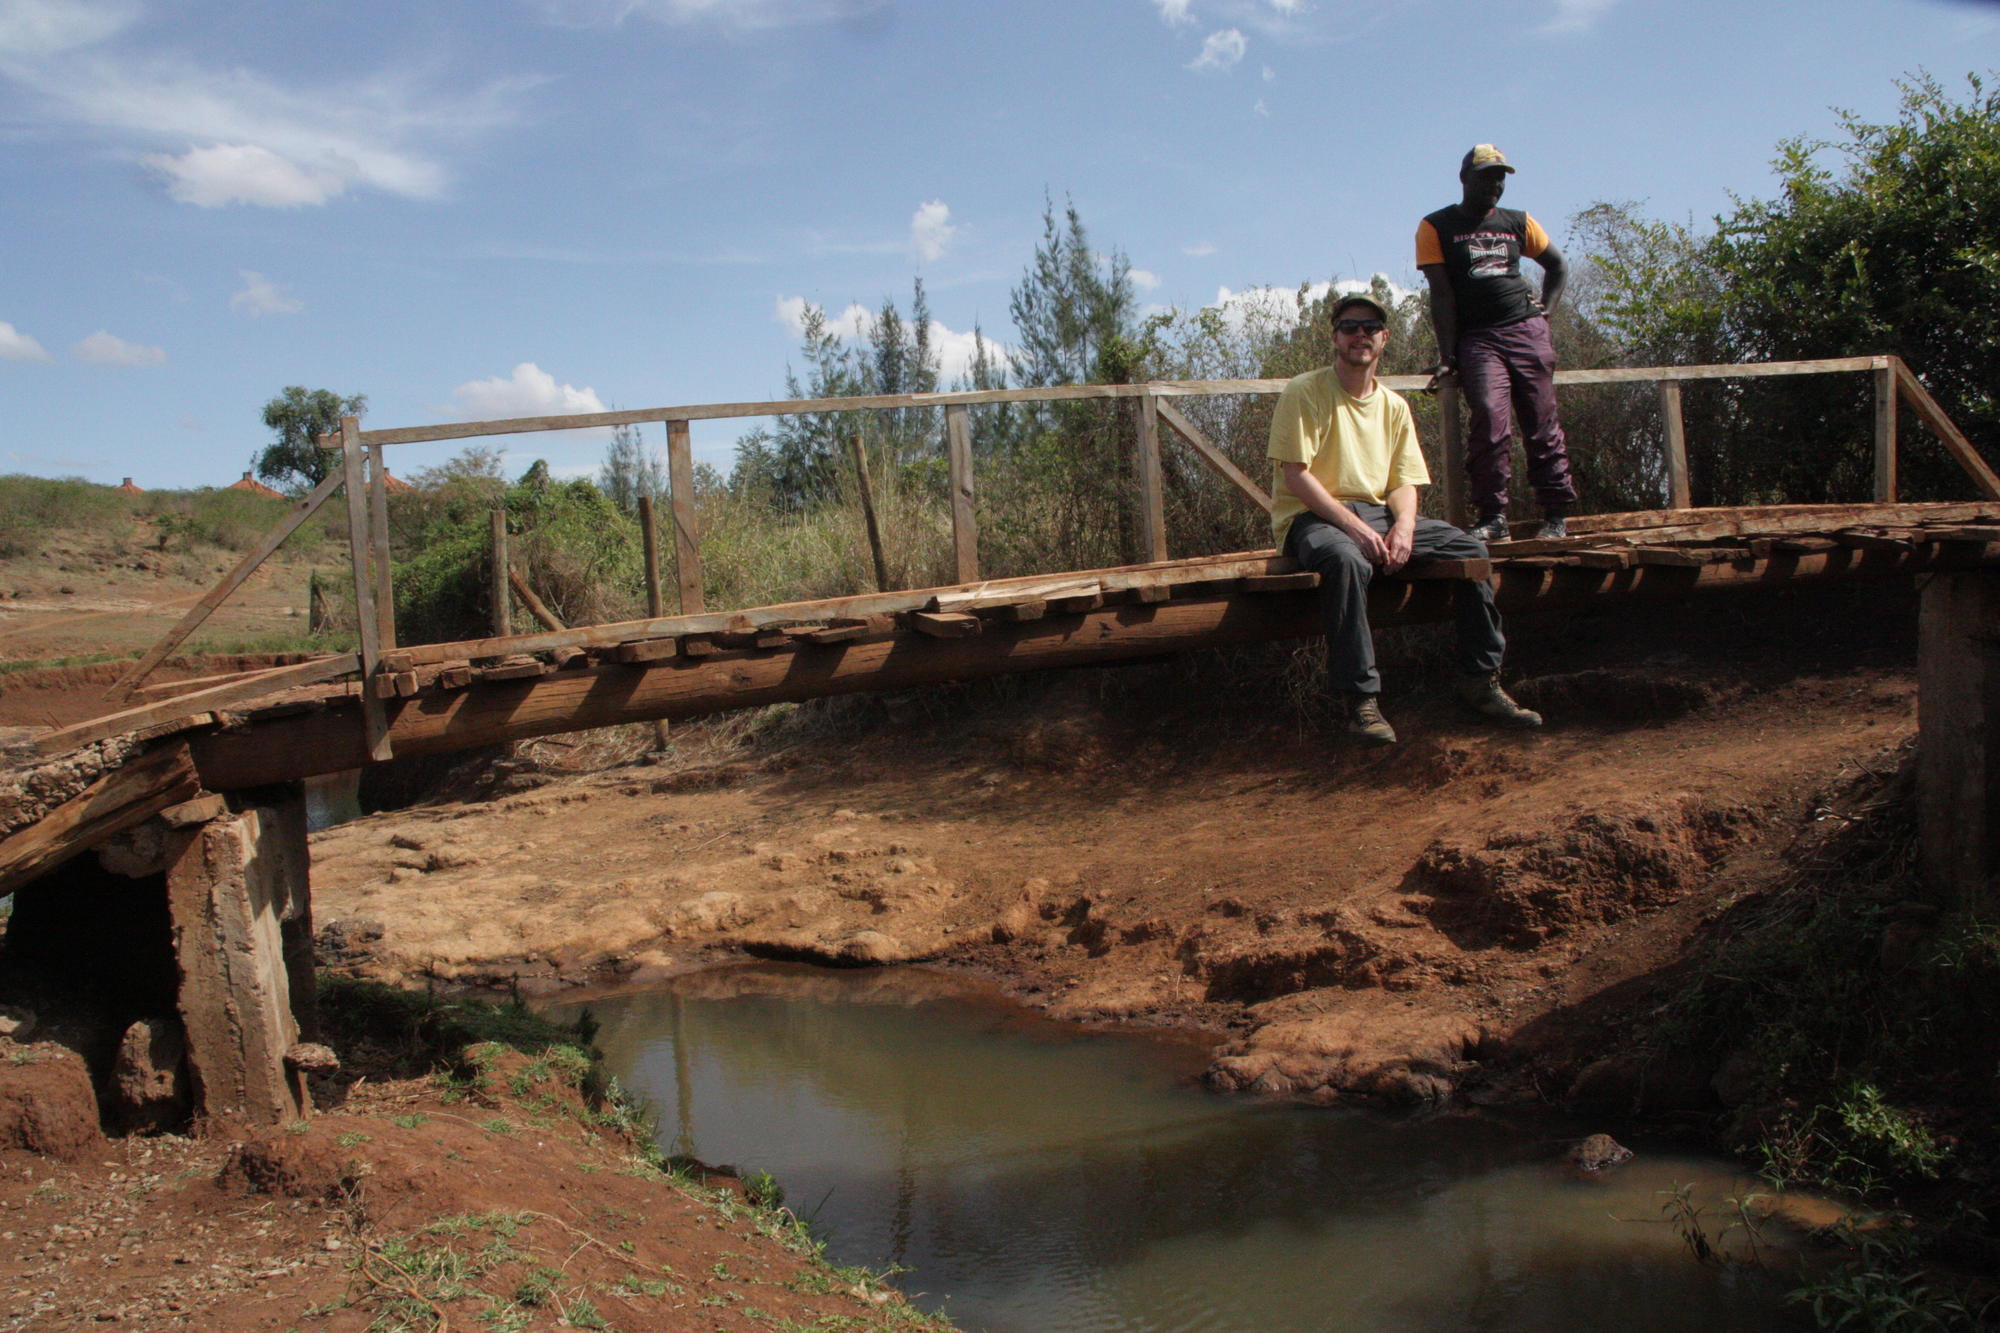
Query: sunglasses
{"points": [[1358, 326]]}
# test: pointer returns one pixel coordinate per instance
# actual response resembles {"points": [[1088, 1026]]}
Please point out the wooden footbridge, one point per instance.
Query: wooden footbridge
{"points": [[203, 789]]}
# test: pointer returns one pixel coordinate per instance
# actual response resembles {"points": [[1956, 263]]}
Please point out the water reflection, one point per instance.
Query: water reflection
{"points": [[1036, 1179]]}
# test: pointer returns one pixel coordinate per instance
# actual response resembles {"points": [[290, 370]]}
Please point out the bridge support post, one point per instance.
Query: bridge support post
{"points": [[1958, 758], [237, 897]]}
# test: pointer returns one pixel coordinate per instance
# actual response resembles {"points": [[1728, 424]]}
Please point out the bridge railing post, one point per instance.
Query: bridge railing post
{"points": [[964, 522], [1152, 493], [374, 718], [1886, 390], [1678, 494], [1453, 449], [687, 547]]}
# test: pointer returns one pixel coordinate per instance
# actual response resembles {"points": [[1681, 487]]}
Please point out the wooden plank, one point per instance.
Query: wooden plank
{"points": [[1960, 533], [1871, 541], [1604, 558], [977, 599], [697, 645], [405, 683], [1209, 454], [1885, 434], [234, 579], [198, 811], [1555, 545], [945, 624], [759, 639], [382, 685], [1667, 556], [216, 696], [378, 542], [646, 650], [964, 522], [455, 676], [1295, 582], [1941, 425], [167, 688], [399, 659], [121, 799], [562, 659], [1151, 594], [828, 634], [649, 534], [534, 604], [1756, 516], [1017, 612], [1152, 492], [1075, 603], [1676, 441], [1476, 570], [779, 407], [528, 670], [687, 536], [374, 721], [1803, 545]]}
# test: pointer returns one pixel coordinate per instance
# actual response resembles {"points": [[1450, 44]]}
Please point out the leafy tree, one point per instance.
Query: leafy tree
{"points": [[1074, 309], [630, 470], [300, 416]]}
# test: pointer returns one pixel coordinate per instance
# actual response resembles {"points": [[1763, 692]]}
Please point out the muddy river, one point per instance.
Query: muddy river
{"points": [[1032, 1177]]}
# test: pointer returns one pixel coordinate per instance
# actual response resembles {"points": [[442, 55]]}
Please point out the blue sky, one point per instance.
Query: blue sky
{"points": [[484, 209]]}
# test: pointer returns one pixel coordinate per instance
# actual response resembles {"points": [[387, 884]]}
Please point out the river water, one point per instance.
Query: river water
{"points": [[1036, 1178]]}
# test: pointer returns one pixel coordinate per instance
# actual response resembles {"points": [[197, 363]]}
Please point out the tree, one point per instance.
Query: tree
{"points": [[630, 470], [1073, 309], [294, 460]]}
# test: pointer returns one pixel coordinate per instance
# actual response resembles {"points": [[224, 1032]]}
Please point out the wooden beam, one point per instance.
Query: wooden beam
{"points": [[1885, 433], [498, 603], [649, 533], [301, 511], [868, 522], [945, 624], [1304, 578], [121, 799], [1676, 441], [687, 537], [1954, 439], [1209, 454], [375, 719], [540, 612], [964, 522], [216, 696], [975, 599], [1152, 491], [779, 407], [647, 650], [1452, 450]]}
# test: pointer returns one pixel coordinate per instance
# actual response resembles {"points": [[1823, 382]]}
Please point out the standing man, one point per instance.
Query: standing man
{"points": [[1345, 472], [1493, 336]]}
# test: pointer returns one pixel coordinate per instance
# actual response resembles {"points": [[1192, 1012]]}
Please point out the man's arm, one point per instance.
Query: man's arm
{"points": [[1402, 528], [1555, 277], [1319, 500], [1444, 315]]}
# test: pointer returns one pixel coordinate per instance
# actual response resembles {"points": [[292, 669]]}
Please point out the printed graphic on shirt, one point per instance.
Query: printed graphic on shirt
{"points": [[1489, 256]]}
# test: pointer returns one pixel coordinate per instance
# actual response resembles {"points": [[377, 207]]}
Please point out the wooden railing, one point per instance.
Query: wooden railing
{"points": [[361, 473]]}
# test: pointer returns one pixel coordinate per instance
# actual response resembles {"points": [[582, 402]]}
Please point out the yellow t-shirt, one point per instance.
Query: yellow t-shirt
{"points": [[1358, 448]]}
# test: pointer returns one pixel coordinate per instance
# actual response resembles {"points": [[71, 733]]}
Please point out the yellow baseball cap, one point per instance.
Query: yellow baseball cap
{"points": [[1482, 157]]}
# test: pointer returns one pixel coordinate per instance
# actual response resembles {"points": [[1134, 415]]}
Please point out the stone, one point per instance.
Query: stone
{"points": [[16, 1023], [149, 1078], [1596, 1153]]}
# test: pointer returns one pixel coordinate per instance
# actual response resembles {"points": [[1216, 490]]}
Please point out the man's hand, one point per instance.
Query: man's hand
{"points": [[1371, 542], [1444, 375], [1396, 548]]}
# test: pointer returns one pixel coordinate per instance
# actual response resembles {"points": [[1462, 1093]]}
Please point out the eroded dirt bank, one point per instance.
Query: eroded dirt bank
{"points": [[1471, 912]]}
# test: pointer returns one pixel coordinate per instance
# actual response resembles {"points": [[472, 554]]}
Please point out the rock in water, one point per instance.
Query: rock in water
{"points": [[1597, 1152]]}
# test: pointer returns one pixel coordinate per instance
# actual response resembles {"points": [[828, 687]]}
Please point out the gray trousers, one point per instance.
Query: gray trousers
{"points": [[1344, 575]]}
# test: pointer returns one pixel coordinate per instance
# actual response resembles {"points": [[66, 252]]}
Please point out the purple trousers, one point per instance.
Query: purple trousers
{"points": [[1514, 365]]}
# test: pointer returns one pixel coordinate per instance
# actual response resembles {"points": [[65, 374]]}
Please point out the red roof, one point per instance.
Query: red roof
{"points": [[128, 488], [255, 487]]}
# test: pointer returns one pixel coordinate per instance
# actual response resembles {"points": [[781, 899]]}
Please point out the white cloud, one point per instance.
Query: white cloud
{"points": [[1577, 15], [18, 346], [954, 350], [1199, 250], [529, 392], [241, 173], [749, 15], [1176, 12], [1270, 75], [1289, 7], [1145, 279], [1265, 310], [1260, 108], [931, 230], [34, 28], [261, 296], [1222, 50], [219, 137], [106, 349], [853, 322]]}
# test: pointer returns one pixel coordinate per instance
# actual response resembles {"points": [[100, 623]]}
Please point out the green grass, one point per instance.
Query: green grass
{"points": [[35, 509]]}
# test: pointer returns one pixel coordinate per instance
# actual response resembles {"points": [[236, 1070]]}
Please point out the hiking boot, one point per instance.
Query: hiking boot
{"points": [[1363, 720], [1552, 529], [1483, 695], [1492, 528]]}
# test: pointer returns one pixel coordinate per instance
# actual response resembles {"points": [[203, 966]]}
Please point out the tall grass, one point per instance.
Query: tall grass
{"points": [[34, 509]]}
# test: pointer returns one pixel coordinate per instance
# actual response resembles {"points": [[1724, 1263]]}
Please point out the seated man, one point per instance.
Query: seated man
{"points": [[1346, 467]]}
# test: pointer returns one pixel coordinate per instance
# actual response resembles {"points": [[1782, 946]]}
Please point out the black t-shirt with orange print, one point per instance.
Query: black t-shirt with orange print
{"points": [[1482, 257]]}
